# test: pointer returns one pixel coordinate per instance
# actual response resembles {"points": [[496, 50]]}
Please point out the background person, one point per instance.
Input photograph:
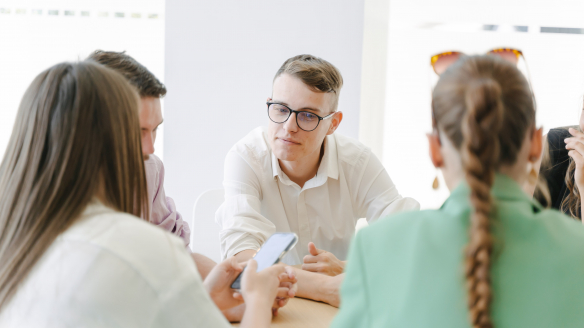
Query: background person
{"points": [[490, 246], [562, 168], [162, 208]]}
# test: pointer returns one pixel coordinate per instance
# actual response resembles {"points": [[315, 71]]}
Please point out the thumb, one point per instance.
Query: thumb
{"points": [[237, 266], [313, 250], [252, 265]]}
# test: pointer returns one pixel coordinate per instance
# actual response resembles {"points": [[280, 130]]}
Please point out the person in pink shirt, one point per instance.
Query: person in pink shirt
{"points": [[163, 211]]}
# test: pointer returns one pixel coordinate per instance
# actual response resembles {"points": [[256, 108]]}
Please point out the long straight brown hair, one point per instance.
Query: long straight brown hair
{"points": [[485, 107], [76, 131]]}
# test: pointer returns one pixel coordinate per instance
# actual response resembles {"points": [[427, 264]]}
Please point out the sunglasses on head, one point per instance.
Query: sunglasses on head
{"points": [[442, 61]]}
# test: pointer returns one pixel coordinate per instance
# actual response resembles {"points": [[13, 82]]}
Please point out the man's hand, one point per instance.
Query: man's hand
{"points": [[218, 283], [322, 262]]}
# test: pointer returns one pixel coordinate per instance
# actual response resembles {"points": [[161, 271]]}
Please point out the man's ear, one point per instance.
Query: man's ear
{"points": [[335, 121], [435, 148], [536, 144]]}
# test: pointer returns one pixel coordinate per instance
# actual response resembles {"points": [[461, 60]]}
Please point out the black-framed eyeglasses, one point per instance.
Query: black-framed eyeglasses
{"points": [[307, 121]]}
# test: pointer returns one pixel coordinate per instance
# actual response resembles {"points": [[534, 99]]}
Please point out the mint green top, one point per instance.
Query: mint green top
{"points": [[407, 270]]}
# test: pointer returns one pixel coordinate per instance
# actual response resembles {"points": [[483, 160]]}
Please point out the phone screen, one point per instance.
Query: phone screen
{"points": [[270, 252]]}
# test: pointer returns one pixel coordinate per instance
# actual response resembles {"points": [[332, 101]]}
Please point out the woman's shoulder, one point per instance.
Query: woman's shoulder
{"points": [[398, 231], [565, 229], [154, 254]]}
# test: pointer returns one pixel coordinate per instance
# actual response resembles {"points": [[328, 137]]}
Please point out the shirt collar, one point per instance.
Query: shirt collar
{"points": [[329, 165], [504, 188]]}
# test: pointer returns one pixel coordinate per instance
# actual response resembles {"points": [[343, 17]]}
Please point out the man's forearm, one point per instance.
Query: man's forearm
{"points": [[319, 287], [204, 264]]}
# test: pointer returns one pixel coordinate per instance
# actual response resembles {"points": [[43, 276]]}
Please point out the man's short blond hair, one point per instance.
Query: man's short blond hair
{"points": [[317, 73]]}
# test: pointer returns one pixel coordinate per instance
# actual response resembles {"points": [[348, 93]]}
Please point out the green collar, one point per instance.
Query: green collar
{"points": [[504, 188]]}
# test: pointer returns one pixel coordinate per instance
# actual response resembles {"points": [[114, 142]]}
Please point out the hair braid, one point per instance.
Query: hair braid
{"points": [[480, 156]]}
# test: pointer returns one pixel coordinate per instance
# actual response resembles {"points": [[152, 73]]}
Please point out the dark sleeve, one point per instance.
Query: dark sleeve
{"points": [[553, 168]]}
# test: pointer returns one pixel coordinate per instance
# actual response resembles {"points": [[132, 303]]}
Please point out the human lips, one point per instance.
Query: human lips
{"points": [[288, 141]]}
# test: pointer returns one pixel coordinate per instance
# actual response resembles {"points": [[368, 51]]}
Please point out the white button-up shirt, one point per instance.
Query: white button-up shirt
{"points": [[112, 269], [260, 199]]}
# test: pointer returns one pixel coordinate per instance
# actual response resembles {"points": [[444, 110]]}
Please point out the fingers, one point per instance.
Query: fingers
{"points": [[231, 264], [293, 290], [286, 284], [291, 273], [283, 292], [236, 266], [578, 158], [576, 133], [313, 267], [310, 259], [313, 250], [252, 265], [285, 278], [276, 270], [575, 145], [279, 302], [282, 302]]}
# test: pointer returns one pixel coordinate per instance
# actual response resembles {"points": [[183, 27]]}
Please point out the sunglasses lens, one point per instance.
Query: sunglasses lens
{"points": [[507, 54], [444, 61]]}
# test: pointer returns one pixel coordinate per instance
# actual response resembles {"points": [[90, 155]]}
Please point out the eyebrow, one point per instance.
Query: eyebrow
{"points": [[303, 108]]}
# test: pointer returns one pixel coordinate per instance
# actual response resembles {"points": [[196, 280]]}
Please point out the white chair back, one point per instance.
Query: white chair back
{"points": [[204, 229]]}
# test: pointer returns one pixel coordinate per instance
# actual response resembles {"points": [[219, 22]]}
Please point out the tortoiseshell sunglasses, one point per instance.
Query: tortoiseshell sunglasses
{"points": [[442, 61]]}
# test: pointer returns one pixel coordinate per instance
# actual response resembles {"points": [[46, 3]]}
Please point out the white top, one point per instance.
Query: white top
{"points": [[350, 183], [113, 270]]}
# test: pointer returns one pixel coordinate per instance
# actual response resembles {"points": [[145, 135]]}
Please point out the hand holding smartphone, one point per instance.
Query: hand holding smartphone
{"points": [[271, 252]]}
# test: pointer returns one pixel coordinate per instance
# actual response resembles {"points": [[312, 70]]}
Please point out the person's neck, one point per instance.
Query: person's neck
{"points": [[303, 170]]}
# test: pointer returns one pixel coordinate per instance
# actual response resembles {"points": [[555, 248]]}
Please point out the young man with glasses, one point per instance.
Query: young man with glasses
{"points": [[298, 175]]}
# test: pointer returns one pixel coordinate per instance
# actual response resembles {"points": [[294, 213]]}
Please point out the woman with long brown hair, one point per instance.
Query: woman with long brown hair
{"points": [[73, 251], [562, 168], [490, 256]]}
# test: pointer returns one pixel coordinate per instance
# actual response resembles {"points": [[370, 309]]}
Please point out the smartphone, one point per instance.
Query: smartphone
{"points": [[271, 252]]}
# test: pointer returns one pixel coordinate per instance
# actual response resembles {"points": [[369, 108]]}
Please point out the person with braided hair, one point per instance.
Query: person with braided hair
{"points": [[491, 256]]}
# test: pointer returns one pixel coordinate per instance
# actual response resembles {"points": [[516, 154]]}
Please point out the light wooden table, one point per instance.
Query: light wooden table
{"points": [[300, 312], [305, 313]]}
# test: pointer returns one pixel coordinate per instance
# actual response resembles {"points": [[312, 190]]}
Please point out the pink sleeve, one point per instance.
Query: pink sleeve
{"points": [[163, 210]]}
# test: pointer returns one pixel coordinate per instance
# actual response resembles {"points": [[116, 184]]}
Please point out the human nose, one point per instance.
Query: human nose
{"points": [[291, 125], [148, 144]]}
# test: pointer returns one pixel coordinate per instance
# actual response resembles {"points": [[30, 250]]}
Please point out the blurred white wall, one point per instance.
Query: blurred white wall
{"points": [[221, 57]]}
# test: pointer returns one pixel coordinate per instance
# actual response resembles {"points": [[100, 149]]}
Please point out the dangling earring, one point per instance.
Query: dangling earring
{"points": [[436, 183], [532, 173]]}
